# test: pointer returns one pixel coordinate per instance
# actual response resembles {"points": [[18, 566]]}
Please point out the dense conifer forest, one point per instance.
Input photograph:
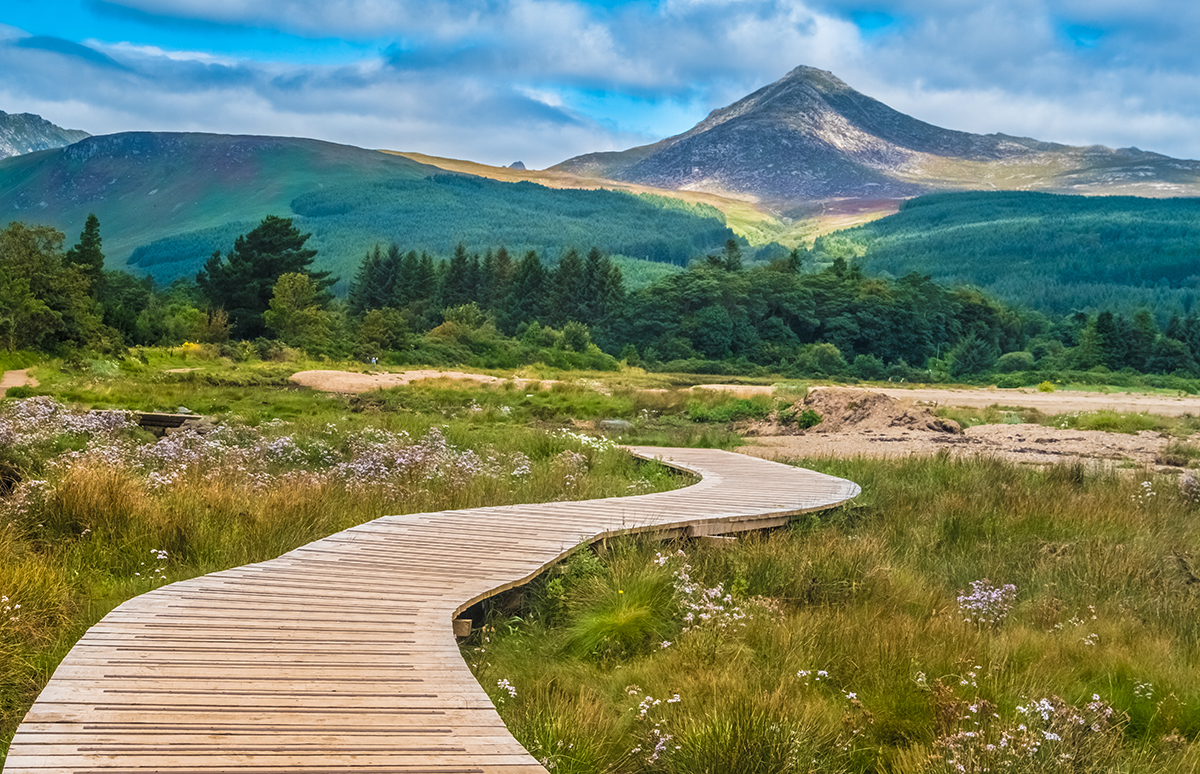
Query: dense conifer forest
{"points": [[434, 214], [1055, 253]]}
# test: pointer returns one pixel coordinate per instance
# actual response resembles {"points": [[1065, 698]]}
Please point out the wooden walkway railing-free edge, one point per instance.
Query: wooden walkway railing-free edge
{"points": [[339, 656]]}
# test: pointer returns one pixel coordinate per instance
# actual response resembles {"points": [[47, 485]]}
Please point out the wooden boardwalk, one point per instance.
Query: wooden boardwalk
{"points": [[339, 656]]}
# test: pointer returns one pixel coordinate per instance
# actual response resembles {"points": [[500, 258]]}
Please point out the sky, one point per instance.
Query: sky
{"points": [[543, 80]]}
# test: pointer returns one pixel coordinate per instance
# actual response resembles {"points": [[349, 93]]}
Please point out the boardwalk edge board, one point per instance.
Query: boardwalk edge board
{"points": [[340, 656]]}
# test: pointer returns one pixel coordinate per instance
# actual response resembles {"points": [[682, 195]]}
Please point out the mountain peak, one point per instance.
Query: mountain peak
{"points": [[810, 136], [814, 76], [26, 132]]}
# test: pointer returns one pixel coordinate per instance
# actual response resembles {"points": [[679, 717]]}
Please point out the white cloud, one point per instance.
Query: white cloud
{"points": [[124, 49], [530, 79]]}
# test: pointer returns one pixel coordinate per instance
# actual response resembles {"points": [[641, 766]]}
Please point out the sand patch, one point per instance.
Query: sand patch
{"points": [[857, 422], [1061, 402], [352, 382], [16, 379]]}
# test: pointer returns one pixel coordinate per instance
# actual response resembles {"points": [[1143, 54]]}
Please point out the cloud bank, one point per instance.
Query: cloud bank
{"points": [[542, 80]]}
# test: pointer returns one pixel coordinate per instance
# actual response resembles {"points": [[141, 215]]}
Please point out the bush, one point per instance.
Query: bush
{"points": [[820, 359], [869, 368], [972, 355], [729, 409]]}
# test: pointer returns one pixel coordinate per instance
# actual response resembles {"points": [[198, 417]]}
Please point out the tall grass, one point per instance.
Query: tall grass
{"points": [[96, 511], [854, 654]]}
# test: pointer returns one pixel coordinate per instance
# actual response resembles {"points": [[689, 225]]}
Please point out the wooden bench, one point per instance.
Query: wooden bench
{"points": [[161, 423]]}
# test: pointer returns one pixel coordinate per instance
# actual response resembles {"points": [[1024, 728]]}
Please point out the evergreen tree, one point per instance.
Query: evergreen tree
{"points": [[425, 282], [87, 254], [1143, 333], [474, 281], [364, 290], [242, 283], [1169, 355], [524, 303], [733, 255], [487, 289], [499, 278], [567, 291], [971, 356], [459, 282], [405, 291], [1112, 344]]}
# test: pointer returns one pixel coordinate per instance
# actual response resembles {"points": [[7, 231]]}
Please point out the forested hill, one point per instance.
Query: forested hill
{"points": [[1050, 252], [166, 201]]}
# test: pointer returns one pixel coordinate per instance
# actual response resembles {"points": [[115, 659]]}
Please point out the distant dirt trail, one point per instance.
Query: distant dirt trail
{"points": [[1053, 402], [16, 379], [1046, 402], [351, 381]]}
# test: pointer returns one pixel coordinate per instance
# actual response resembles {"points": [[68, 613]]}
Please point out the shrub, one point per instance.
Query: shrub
{"points": [[1012, 362]]}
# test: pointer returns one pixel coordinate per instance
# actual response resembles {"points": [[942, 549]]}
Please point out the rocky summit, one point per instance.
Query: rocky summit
{"points": [[25, 133], [811, 137]]}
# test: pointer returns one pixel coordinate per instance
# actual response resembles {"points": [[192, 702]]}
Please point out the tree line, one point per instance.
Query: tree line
{"points": [[1056, 253], [495, 308]]}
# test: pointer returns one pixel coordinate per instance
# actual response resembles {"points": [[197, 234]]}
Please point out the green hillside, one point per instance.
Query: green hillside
{"points": [[1050, 252], [167, 201]]}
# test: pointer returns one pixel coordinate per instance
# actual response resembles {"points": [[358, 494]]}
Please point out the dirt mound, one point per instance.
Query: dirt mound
{"points": [[845, 411]]}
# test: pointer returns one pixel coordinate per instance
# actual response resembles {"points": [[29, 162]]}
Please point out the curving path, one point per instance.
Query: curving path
{"points": [[339, 656]]}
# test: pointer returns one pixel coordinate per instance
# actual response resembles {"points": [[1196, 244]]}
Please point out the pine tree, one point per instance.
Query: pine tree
{"points": [[404, 293], [364, 289], [425, 282], [1112, 343], [732, 256], [87, 253], [242, 283], [567, 291], [524, 302], [498, 278], [459, 281]]}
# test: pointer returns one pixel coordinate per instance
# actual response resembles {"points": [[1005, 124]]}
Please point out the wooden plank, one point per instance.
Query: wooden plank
{"points": [[340, 655]]}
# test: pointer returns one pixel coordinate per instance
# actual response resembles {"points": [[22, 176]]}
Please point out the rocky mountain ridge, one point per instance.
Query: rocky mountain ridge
{"points": [[22, 133], [811, 137]]}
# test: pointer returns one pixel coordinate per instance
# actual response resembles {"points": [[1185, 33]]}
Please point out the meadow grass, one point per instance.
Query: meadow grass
{"points": [[841, 643], [94, 511]]}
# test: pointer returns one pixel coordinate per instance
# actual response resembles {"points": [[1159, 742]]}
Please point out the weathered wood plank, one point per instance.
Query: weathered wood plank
{"points": [[340, 656]]}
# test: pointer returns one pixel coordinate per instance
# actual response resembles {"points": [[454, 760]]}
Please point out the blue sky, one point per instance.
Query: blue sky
{"points": [[543, 80]]}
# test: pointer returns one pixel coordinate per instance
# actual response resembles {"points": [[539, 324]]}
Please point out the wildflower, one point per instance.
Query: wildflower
{"points": [[986, 604]]}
